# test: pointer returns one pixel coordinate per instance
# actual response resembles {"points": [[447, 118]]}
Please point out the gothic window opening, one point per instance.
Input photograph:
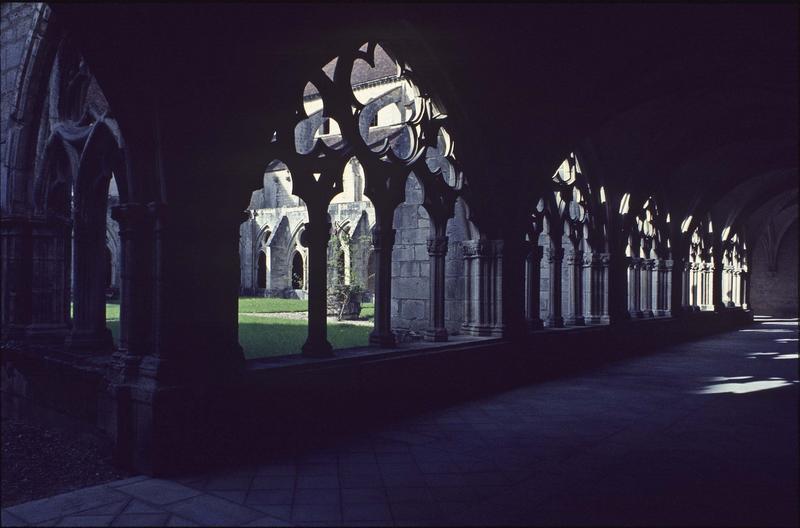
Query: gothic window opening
{"points": [[298, 280], [261, 275], [352, 184]]}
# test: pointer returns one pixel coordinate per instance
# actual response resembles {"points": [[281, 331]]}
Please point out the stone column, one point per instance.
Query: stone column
{"points": [[745, 289], [50, 281], [89, 331], [664, 305], [477, 254], [15, 276], [554, 257], [634, 288], [575, 266], [533, 275], [469, 257], [134, 312], [694, 286], [646, 303], [717, 291], [494, 297], [437, 251], [597, 266], [315, 236], [736, 286], [382, 243]]}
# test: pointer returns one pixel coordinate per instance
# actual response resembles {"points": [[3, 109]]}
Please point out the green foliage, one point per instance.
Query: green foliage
{"points": [[271, 305]]}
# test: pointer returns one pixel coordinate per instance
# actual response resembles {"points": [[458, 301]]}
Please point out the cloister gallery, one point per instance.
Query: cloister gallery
{"points": [[518, 189]]}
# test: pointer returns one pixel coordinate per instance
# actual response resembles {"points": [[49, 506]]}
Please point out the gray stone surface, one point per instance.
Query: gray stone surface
{"points": [[702, 433]]}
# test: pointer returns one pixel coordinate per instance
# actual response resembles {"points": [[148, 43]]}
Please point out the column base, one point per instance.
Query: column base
{"points": [[46, 334], [477, 330], [647, 313], [497, 330], [436, 334], [575, 321], [534, 324], [662, 313], [88, 342], [383, 340], [597, 320], [317, 348], [636, 314], [555, 322]]}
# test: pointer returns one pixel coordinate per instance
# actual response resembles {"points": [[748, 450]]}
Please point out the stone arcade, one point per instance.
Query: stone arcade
{"points": [[525, 188]]}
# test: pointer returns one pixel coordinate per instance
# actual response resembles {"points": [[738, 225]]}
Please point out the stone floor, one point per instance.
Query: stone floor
{"points": [[703, 433]]}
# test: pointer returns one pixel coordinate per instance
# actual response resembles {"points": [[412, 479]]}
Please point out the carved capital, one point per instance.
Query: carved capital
{"points": [[476, 248], [575, 257], [437, 246], [555, 254], [130, 217]]}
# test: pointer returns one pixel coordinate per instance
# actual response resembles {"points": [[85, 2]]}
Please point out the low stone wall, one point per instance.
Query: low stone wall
{"points": [[265, 407]]}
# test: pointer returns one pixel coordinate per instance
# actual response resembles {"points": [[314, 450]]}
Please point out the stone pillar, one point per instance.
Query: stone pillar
{"points": [[717, 291], [469, 258], [575, 266], [664, 287], [634, 288], [15, 276], [646, 303], [745, 289], [315, 236], [134, 320], [694, 286], [89, 331], [50, 282], [532, 284], [477, 254], [437, 251], [554, 257], [597, 266], [736, 287], [382, 243], [705, 286], [494, 294]]}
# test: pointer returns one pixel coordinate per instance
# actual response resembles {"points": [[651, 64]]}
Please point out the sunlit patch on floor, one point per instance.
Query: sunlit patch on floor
{"points": [[786, 340], [745, 386], [728, 378], [787, 356], [768, 330]]}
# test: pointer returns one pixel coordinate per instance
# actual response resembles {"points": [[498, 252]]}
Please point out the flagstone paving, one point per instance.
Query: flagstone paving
{"points": [[701, 433]]}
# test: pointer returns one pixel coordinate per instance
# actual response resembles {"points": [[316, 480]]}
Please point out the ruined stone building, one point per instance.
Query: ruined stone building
{"points": [[516, 188]]}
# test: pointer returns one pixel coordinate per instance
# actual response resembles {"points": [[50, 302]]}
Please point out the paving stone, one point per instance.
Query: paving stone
{"points": [[316, 512], [234, 496], [108, 509], [258, 497], [316, 496], [362, 495], [316, 482], [228, 484], [414, 511], [124, 482], [141, 519], [158, 491], [210, 510], [137, 506], [66, 504], [370, 511], [360, 480], [268, 521], [273, 482], [176, 520], [8, 519], [86, 520], [278, 511]]}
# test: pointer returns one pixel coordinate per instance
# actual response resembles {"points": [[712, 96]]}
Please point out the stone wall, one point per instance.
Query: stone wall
{"points": [[774, 292]]}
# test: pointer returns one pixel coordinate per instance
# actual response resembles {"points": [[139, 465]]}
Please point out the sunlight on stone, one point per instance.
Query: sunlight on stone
{"points": [[768, 330], [787, 340], [745, 387], [729, 378], [786, 356]]}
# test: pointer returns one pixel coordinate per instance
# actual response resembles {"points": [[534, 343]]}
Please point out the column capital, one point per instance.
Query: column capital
{"points": [[476, 248], [130, 215], [554, 254], [437, 246], [534, 251], [575, 257]]}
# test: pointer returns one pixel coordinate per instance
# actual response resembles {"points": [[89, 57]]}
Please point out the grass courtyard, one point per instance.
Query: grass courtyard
{"points": [[263, 336]]}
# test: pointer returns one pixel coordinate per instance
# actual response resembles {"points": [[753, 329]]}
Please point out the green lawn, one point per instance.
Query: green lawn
{"points": [[273, 336], [266, 336], [271, 305]]}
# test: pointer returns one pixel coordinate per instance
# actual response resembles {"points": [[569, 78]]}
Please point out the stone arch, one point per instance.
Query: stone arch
{"points": [[298, 271]]}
